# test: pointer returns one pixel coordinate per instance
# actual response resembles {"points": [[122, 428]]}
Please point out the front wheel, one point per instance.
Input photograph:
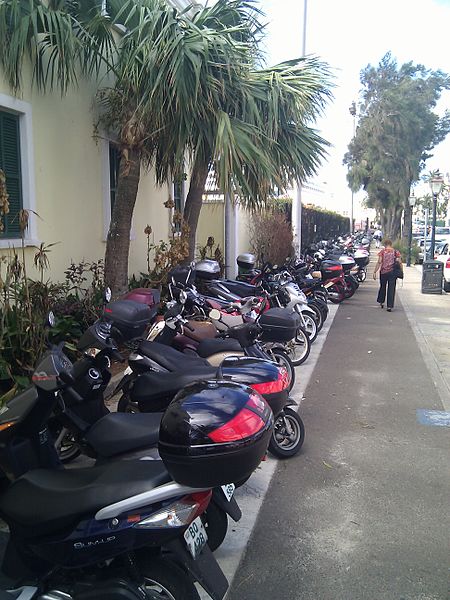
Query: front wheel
{"points": [[288, 434], [299, 347], [281, 357], [310, 326], [165, 580]]}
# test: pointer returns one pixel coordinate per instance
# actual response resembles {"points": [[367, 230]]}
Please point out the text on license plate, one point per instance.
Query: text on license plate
{"points": [[228, 490], [195, 537]]}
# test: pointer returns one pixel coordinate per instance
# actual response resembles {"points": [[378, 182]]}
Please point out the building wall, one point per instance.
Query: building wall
{"points": [[211, 222], [69, 175]]}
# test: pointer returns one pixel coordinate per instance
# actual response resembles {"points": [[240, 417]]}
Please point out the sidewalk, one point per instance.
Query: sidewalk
{"points": [[362, 512], [429, 317]]}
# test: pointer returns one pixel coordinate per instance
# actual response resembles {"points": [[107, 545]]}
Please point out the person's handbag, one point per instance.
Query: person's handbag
{"points": [[398, 270]]}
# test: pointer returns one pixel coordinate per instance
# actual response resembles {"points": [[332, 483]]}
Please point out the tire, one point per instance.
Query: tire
{"points": [[215, 521], [319, 315], [362, 275], [310, 326], [283, 444], [350, 288], [299, 348], [165, 580], [446, 286], [339, 289], [282, 358], [126, 406]]}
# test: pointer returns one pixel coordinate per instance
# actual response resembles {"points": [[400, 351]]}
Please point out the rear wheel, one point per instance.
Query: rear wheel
{"points": [[288, 434], [165, 580], [446, 286]]}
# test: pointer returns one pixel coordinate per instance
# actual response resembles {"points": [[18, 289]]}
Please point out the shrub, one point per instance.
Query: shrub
{"points": [[402, 246], [25, 304], [271, 236]]}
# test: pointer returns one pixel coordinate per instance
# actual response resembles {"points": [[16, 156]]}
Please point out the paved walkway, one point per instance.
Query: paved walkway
{"points": [[362, 512]]}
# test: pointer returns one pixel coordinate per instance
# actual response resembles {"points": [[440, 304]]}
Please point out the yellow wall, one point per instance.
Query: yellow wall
{"points": [[211, 222], [69, 183], [243, 242]]}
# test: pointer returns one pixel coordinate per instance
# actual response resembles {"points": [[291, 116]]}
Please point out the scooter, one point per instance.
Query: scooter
{"points": [[124, 530], [88, 427]]}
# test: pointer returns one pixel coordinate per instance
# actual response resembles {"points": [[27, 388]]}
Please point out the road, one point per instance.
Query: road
{"points": [[362, 512]]}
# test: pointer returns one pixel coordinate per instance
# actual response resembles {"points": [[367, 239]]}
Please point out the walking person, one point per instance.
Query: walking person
{"points": [[387, 257], [377, 236]]}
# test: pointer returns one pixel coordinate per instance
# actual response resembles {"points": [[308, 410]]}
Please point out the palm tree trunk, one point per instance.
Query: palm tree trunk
{"points": [[194, 201], [118, 241], [407, 221]]}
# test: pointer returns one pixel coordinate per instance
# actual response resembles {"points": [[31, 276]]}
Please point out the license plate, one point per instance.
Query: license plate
{"points": [[228, 490], [195, 537]]}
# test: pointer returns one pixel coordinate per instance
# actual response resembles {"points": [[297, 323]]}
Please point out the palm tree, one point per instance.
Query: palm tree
{"points": [[186, 89]]}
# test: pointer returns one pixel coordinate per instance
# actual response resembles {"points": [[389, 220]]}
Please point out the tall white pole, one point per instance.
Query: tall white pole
{"points": [[296, 216]]}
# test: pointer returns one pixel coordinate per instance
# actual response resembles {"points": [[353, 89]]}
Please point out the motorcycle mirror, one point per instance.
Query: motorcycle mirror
{"points": [[183, 297], [51, 320], [214, 314], [108, 294]]}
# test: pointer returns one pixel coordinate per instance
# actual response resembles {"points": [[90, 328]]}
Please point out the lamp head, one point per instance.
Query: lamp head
{"points": [[436, 183]]}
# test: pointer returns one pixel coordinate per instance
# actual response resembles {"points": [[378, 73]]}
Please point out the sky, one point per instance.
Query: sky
{"points": [[349, 35]]}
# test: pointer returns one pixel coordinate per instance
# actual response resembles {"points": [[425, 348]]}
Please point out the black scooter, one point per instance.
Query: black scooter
{"points": [[110, 532], [91, 429]]}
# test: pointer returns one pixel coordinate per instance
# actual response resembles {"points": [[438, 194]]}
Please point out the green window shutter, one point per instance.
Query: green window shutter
{"points": [[10, 164]]}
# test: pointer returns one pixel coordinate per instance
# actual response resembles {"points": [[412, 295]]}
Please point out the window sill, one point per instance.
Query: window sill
{"points": [[17, 243]]}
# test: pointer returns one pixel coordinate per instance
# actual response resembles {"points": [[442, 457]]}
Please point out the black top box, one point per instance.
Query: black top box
{"points": [[214, 433], [128, 319], [279, 325]]}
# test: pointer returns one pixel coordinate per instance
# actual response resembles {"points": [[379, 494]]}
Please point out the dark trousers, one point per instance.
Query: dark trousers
{"points": [[389, 280]]}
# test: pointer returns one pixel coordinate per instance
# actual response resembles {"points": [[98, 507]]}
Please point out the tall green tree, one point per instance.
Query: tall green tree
{"points": [[187, 88], [397, 131]]}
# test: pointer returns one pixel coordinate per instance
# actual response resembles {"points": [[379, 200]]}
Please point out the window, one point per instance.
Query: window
{"points": [[178, 195], [114, 165], [11, 166]]}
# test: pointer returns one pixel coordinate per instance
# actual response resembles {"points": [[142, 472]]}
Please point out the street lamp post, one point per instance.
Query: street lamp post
{"points": [[412, 201], [436, 184], [352, 111]]}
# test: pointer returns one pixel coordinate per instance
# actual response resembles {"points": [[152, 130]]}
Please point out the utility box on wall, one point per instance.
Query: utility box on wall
{"points": [[432, 275]]}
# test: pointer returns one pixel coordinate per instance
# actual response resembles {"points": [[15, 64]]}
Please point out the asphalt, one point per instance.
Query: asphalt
{"points": [[362, 512]]}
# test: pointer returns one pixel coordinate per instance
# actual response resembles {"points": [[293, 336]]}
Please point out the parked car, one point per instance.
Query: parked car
{"points": [[443, 255], [438, 243]]}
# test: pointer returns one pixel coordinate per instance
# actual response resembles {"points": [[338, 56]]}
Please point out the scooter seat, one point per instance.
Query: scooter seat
{"points": [[118, 433], [207, 348], [154, 391], [44, 501], [169, 358]]}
